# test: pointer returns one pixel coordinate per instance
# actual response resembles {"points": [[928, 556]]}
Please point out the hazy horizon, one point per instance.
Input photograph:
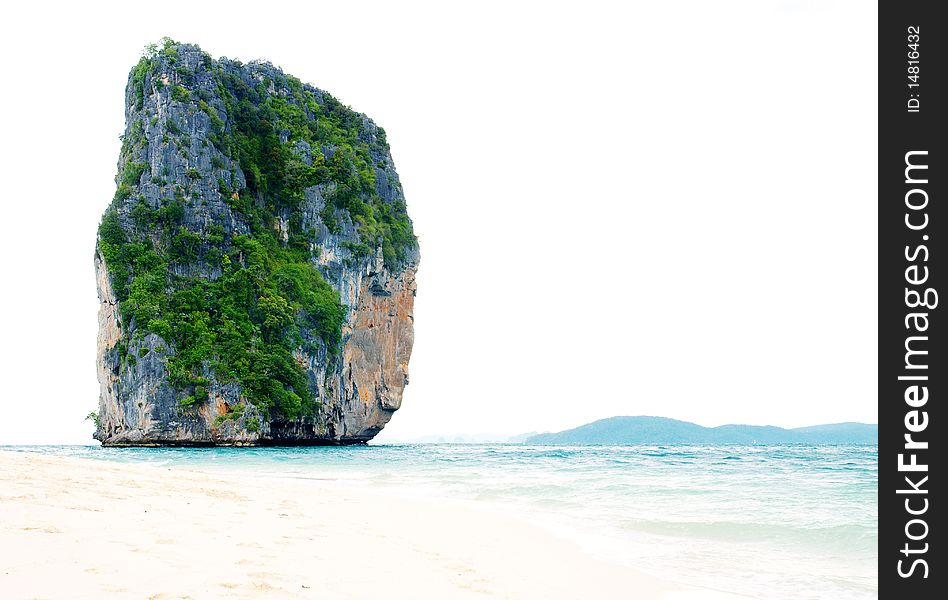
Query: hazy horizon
{"points": [[490, 436], [502, 437]]}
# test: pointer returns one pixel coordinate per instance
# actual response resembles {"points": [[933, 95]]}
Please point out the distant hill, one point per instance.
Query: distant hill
{"points": [[660, 430]]}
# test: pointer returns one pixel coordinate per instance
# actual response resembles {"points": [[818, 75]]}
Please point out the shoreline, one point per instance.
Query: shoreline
{"points": [[84, 528]]}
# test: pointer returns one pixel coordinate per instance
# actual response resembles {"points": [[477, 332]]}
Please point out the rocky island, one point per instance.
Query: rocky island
{"points": [[256, 267]]}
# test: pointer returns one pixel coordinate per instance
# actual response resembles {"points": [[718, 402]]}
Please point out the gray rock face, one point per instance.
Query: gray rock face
{"points": [[177, 114]]}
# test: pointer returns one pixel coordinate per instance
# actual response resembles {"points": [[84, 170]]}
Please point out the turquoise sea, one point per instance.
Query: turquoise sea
{"points": [[781, 522]]}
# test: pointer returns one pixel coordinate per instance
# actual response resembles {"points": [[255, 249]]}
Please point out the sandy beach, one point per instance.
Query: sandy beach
{"points": [[74, 528]]}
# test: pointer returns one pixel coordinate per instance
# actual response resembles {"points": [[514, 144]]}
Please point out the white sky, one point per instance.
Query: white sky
{"points": [[662, 208]]}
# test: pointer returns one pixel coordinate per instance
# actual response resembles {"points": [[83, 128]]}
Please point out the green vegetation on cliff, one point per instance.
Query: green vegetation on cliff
{"points": [[275, 171], [266, 299], [245, 325]]}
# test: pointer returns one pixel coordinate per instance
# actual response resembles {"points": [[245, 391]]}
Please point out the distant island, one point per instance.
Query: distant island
{"points": [[661, 430]]}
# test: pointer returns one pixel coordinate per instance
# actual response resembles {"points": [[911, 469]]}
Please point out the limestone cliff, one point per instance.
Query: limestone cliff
{"points": [[256, 268]]}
